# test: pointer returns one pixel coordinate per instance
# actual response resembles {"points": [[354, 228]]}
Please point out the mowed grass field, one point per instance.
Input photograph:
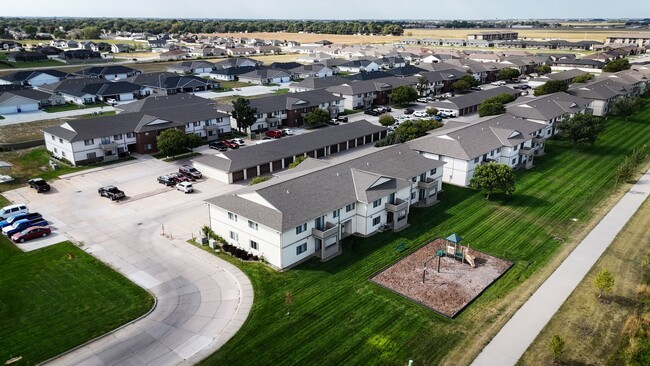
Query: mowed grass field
{"points": [[593, 329], [59, 297], [337, 317]]}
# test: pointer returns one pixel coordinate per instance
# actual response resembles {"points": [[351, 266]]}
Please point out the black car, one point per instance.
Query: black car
{"points": [[218, 145], [111, 192], [371, 112], [408, 110], [39, 184], [167, 180]]}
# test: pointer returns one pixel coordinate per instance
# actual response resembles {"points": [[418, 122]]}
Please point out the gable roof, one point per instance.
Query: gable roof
{"points": [[25, 76], [547, 107], [366, 86], [474, 98], [265, 73], [107, 70], [166, 80], [313, 82]]}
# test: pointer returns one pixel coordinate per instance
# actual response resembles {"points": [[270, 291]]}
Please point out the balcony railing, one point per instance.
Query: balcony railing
{"points": [[329, 230], [539, 139], [397, 205], [526, 151], [211, 128], [428, 183], [107, 145]]}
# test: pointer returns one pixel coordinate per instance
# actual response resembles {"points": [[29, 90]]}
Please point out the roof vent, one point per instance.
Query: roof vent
{"points": [[337, 174], [287, 191], [368, 163]]}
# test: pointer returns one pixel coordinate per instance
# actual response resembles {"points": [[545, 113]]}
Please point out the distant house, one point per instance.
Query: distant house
{"points": [[9, 45], [363, 94], [27, 100], [172, 83], [548, 110], [231, 73], [358, 66], [469, 103], [236, 62], [316, 70], [313, 83], [90, 90], [115, 72], [121, 47], [601, 93], [26, 56], [265, 76], [82, 54], [192, 67], [173, 55], [241, 51], [34, 78]]}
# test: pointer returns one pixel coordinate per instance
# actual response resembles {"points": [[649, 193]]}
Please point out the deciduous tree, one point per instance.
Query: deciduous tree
{"points": [[172, 142], [404, 94], [493, 177], [617, 65], [552, 86], [243, 113], [490, 109], [581, 128], [386, 119], [508, 74], [604, 281], [317, 117]]}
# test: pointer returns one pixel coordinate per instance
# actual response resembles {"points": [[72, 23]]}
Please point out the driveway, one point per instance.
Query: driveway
{"points": [[201, 300]]}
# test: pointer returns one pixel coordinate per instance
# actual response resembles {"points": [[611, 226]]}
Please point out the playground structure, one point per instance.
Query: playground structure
{"points": [[454, 250]]}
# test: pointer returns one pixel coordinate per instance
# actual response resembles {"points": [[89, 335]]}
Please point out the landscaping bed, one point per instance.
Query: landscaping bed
{"points": [[449, 291]]}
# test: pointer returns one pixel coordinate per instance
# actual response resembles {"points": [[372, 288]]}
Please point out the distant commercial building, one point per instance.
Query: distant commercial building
{"points": [[493, 35]]}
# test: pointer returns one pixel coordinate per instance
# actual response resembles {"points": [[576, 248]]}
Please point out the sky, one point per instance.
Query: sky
{"points": [[330, 9]]}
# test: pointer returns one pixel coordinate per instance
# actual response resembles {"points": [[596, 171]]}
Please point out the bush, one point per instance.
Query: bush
{"points": [[490, 109], [257, 180], [386, 119], [297, 162], [583, 78], [431, 111]]}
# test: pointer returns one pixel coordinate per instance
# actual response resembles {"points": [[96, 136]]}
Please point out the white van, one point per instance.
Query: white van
{"points": [[11, 210]]}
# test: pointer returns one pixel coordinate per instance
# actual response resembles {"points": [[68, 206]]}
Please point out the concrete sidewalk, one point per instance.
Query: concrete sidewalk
{"points": [[521, 330]]}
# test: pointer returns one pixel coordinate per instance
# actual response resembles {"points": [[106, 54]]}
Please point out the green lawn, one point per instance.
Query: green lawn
{"points": [[72, 107], [339, 318], [58, 297], [24, 65]]}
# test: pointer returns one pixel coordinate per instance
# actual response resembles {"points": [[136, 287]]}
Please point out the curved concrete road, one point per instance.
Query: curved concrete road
{"points": [[201, 300]]}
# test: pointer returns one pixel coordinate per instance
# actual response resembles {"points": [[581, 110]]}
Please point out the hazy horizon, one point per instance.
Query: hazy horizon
{"points": [[415, 10]]}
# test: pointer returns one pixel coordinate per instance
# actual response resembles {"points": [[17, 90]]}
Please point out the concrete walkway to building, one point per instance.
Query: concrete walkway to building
{"points": [[10, 119], [521, 330]]}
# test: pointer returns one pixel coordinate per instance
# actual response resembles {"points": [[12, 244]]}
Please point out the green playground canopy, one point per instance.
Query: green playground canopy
{"points": [[454, 238]]}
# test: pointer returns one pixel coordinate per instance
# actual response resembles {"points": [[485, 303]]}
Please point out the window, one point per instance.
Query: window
{"points": [[60, 140], [350, 207], [433, 171], [252, 224], [335, 213], [514, 161], [130, 135], [234, 236], [220, 119], [53, 138], [498, 150], [196, 124], [55, 150], [514, 148], [492, 153], [253, 244], [376, 221], [148, 147], [301, 248], [91, 155], [117, 137], [413, 195], [476, 161], [414, 179], [301, 228], [187, 125], [63, 153], [89, 142], [232, 216], [376, 203]]}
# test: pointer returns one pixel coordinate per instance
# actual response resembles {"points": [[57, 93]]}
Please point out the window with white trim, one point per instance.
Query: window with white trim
{"points": [[234, 236], [253, 244], [350, 207], [89, 142], [252, 224], [376, 203], [232, 216], [301, 248], [376, 221], [301, 228]]}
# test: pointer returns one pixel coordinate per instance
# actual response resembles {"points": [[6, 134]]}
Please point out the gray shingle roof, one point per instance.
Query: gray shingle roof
{"points": [[474, 98], [600, 90], [295, 200], [547, 107], [319, 83], [235, 160], [167, 80], [292, 101], [367, 86]]}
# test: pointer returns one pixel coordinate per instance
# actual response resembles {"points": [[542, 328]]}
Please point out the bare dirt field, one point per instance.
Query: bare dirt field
{"points": [[449, 291]]}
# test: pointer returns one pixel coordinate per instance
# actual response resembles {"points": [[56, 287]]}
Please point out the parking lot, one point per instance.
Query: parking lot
{"points": [[201, 300]]}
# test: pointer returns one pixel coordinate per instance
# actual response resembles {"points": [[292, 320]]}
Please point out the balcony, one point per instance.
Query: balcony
{"points": [[488, 161], [108, 145], [273, 120], [397, 206], [538, 139], [527, 151], [329, 230], [210, 128], [429, 183]]}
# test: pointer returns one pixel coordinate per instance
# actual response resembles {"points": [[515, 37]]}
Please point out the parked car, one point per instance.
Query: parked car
{"points": [[276, 134], [420, 114], [448, 95], [422, 100], [333, 122], [31, 233], [437, 118], [386, 108], [230, 144], [21, 225], [521, 86], [111, 101], [11, 219], [287, 131], [498, 83], [185, 187], [180, 177], [371, 112], [166, 180], [408, 110], [476, 88], [239, 142], [218, 145], [523, 93], [39, 184], [13, 210], [111, 192], [190, 172], [342, 118], [443, 115]]}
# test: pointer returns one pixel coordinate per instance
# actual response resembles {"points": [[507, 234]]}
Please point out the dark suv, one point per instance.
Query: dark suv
{"points": [[190, 171], [111, 192], [218, 145], [167, 180], [39, 184]]}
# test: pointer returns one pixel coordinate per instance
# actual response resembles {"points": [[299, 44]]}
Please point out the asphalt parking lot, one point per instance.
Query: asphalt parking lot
{"points": [[201, 300]]}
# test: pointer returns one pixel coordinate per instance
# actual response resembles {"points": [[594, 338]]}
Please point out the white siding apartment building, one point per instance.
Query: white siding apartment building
{"points": [[285, 220], [548, 110]]}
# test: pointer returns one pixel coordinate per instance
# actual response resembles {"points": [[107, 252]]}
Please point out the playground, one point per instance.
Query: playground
{"points": [[443, 275]]}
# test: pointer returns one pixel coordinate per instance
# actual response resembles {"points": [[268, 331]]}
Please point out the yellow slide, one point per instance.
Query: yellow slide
{"points": [[469, 259]]}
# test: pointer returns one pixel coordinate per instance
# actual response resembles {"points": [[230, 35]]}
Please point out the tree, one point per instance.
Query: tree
{"points": [[583, 78], [543, 69], [604, 282], [508, 74], [386, 119], [31, 31], [503, 98], [557, 347], [625, 107], [431, 111], [91, 33], [461, 86], [470, 79], [172, 142], [552, 86], [317, 117], [422, 86], [490, 109], [625, 171], [243, 113], [193, 141], [404, 94], [493, 177], [581, 128], [617, 65]]}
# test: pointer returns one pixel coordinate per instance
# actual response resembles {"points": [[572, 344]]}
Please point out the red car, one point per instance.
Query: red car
{"points": [[179, 177], [276, 134], [31, 233], [230, 144]]}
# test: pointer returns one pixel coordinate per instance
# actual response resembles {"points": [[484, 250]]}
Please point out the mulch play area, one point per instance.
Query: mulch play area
{"points": [[449, 291]]}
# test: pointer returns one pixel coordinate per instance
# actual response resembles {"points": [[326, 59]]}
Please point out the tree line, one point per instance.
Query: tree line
{"points": [[59, 26]]}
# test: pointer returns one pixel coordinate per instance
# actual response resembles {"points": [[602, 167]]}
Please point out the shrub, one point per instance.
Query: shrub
{"points": [[257, 180], [297, 162], [386, 119]]}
